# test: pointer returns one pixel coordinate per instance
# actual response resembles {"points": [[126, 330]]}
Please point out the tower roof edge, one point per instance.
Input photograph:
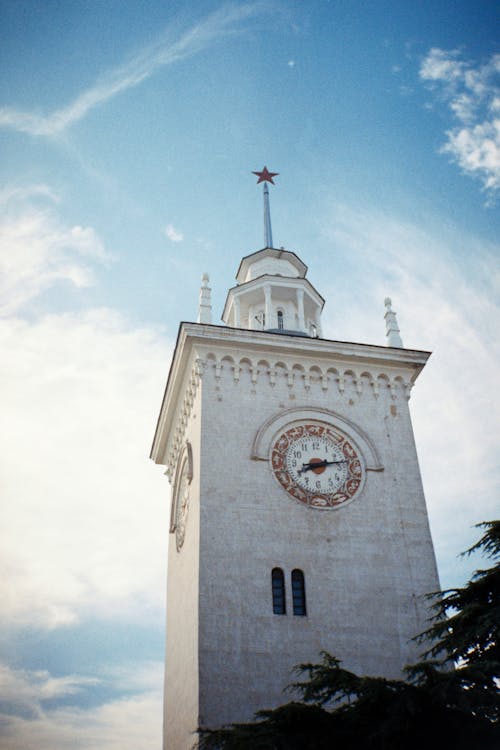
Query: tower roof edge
{"points": [[271, 252]]}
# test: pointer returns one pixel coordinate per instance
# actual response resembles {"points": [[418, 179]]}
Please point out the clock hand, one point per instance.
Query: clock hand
{"points": [[319, 464]]}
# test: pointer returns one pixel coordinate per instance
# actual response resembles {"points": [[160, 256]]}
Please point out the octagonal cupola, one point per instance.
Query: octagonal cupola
{"points": [[274, 295]]}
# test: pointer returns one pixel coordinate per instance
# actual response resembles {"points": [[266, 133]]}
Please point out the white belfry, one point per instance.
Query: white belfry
{"points": [[391, 324], [205, 307]]}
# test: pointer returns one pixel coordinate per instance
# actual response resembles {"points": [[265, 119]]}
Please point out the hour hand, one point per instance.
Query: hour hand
{"points": [[319, 464]]}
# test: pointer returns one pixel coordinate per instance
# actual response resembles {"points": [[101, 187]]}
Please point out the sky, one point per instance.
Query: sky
{"points": [[128, 134]]}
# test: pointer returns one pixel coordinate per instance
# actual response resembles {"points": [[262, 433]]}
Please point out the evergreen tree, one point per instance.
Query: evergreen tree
{"points": [[451, 699]]}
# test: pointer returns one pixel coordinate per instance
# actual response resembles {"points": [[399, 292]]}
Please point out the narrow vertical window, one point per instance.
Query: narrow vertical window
{"points": [[280, 320], [278, 589], [298, 593]]}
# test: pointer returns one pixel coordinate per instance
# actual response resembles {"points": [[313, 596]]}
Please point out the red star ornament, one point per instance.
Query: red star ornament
{"points": [[266, 176]]}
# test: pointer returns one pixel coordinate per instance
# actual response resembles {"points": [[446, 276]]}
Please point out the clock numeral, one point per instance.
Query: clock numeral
{"points": [[318, 485], [297, 454]]}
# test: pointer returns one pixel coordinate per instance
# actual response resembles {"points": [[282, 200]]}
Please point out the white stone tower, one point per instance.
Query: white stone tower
{"points": [[298, 520]]}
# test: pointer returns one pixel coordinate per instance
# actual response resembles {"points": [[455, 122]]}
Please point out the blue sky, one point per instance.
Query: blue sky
{"points": [[128, 133]]}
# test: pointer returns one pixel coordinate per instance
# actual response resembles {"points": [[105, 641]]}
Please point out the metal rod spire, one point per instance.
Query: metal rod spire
{"points": [[268, 235], [266, 176]]}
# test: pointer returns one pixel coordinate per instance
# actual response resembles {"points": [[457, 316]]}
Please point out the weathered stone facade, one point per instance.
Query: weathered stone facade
{"points": [[366, 565]]}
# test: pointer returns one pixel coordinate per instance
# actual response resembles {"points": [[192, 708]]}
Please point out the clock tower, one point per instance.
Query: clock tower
{"points": [[298, 521]]}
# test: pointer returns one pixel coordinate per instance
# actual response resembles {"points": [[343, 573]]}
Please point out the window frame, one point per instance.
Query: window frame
{"points": [[278, 591], [298, 593]]}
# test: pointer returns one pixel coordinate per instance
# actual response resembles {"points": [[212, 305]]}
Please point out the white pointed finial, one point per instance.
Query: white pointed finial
{"points": [[391, 325], [205, 308]]}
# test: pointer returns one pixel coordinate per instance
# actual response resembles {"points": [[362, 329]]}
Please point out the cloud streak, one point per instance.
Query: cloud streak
{"points": [[226, 21], [472, 93]]}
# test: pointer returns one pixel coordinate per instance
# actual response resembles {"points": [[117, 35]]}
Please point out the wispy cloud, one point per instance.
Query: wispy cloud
{"points": [[472, 93], [37, 250], [28, 721], [24, 692], [173, 234], [168, 50]]}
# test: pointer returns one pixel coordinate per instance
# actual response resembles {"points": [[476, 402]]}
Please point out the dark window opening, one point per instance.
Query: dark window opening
{"points": [[278, 589], [298, 593]]}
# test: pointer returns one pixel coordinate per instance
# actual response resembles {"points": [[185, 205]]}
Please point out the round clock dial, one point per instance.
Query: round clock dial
{"points": [[317, 465], [182, 505]]}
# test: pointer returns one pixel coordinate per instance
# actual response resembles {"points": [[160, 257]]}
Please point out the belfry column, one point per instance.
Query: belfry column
{"points": [[268, 306], [318, 324], [236, 312], [300, 309]]}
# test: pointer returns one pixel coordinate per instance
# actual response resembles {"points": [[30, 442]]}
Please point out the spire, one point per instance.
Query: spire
{"points": [[205, 307], [268, 235], [391, 325], [265, 176]]}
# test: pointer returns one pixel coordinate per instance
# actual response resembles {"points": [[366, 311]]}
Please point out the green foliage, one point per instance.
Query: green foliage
{"points": [[467, 621], [451, 699]]}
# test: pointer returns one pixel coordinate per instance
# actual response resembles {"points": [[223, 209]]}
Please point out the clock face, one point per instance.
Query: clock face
{"points": [[317, 465], [182, 505]]}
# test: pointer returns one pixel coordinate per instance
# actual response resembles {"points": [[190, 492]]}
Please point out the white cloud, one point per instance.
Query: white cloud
{"points": [[81, 531], [445, 289], [442, 65], [131, 723], [477, 150], [173, 234], [169, 49], [37, 250], [79, 395], [472, 94]]}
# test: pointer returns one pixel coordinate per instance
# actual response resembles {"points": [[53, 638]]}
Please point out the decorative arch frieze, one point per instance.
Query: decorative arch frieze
{"points": [[299, 375], [177, 442]]}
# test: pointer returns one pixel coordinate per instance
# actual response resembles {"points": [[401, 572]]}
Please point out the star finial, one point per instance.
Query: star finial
{"points": [[266, 176]]}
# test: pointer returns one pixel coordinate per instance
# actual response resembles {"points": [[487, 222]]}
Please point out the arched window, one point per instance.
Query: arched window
{"points": [[280, 320], [298, 593], [278, 589]]}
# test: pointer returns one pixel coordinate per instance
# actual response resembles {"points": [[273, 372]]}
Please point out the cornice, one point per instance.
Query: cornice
{"points": [[226, 336]]}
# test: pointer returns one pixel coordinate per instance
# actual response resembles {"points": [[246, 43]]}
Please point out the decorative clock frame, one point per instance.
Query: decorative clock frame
{"points": [[332, 480], [180, 495]]}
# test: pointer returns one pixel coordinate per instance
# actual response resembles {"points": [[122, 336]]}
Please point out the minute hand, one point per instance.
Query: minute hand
{"points": [[319, 464]]}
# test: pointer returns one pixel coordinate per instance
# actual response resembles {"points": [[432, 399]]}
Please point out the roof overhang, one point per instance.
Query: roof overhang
{"points": [[270, 252]]}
